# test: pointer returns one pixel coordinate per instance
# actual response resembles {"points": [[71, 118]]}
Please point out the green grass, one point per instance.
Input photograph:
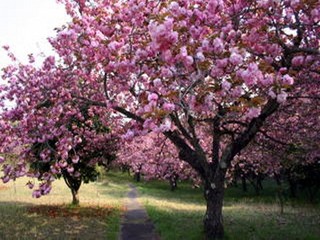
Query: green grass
{"points": [[176, 215], [52, 216], [179, 214]]}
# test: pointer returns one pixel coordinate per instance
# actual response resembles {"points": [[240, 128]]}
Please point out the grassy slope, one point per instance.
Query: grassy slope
{"points": [[98, 216], [178, 215]]}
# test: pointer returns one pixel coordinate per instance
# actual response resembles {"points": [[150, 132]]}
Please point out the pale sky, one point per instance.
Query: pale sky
{"points": [[26, 24]]}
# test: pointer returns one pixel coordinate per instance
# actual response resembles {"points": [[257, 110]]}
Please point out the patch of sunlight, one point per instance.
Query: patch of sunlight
{"points": [[89, 194], [166, 204], [264, 209]]}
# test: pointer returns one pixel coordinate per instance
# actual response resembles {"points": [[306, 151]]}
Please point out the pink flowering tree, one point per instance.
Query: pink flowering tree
{"points": [[289, 154], [179, 67], [286, 157], [53, 135], [155, 157]]}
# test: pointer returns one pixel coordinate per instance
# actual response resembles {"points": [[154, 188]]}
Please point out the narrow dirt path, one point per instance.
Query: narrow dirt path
{"points": [[136, 224]]}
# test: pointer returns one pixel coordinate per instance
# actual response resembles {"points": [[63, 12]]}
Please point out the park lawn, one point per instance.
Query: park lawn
{"points": [[179, 214], [176, 215], [52, 216]]}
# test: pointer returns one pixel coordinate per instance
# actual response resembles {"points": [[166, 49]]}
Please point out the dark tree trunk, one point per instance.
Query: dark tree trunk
{"points": [[244, 184], [278, 179], [75, 197], [293, 188], [173, 182], [213, 220], [259, 182], [74, 186], [258, 185], [137, 176]]}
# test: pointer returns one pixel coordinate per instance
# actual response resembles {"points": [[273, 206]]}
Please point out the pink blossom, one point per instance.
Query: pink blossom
{"points": [[272, 94], [169, 107], [5, 179], [167, 56], [216, 72], [165, 72], [149, 124], [174, 7], [235, 58], [282, 97], [253, 112], [157, 83], [129, 135], [46, 189], [75, 159], [218, 45], [315, 13], [141, 54], [153, 97], [70, 169], [55, 169], [264, 3], [2, 159], [226, 85], [36, 194], [287, 80], [188, 60], [165, 126], [77, 174], [200, 56], [183, 51], [248, 77], [237, 92], [30, 185], [63, 163], [77, 139], [222, 63], [114, 46], [267, 80], [283, 70], [162, 35], [205, 45], [298, 61]]}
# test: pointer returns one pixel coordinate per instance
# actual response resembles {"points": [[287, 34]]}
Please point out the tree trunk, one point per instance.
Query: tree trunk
{"points": [[173, 182], [74, 186], [259, 182], [137, 176], [293, 188], [278, 179], [244, 183], [75, 197], [213, 220]]}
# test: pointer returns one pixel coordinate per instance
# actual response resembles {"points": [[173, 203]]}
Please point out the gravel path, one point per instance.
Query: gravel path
{"points": [[136, 224]]}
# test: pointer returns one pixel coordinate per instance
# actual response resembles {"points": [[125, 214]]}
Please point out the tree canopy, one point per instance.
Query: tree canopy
{"points": [[207, 74]]}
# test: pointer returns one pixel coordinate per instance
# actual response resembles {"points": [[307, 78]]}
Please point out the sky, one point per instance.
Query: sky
{"points": [[25, 26]]}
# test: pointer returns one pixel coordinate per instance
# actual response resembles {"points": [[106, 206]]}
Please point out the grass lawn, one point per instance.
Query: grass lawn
{"points": [[179, 214], [52, 217], [176, 215]]}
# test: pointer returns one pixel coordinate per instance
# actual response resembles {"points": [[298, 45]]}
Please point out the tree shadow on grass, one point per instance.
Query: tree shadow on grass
{"points": [[240, 221], [257, 221], [161, 190], [28, 221]]}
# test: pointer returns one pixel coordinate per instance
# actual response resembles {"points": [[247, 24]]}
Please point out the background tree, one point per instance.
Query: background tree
{"points": [[155, 157], [56, 136]]}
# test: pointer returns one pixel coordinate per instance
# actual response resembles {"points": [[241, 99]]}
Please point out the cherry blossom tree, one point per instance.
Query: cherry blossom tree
{"points": [[155, 157], [184, 67], [55, 136], [275, 153]]}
